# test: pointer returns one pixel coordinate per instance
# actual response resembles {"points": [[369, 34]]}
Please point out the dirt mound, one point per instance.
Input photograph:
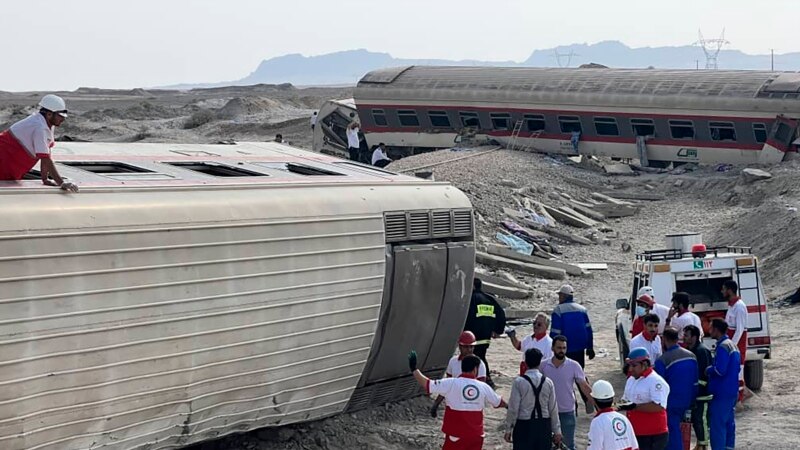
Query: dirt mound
{"points": [[239, 107], [141, 111]]}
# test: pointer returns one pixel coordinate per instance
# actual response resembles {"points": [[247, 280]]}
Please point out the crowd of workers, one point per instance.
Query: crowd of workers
{"points": [[674, 382]]}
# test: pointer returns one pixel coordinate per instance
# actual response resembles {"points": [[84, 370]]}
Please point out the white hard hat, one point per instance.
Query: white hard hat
{"points": [[646, 290], [566, 289], [54, 103], [602, 390]]}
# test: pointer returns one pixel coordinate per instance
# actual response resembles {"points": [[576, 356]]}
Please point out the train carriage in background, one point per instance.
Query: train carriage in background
{"points": [[192, 291], [669, 116]]}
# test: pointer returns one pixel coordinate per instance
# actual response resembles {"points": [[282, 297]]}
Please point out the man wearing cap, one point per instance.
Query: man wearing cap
{"points": [[678, 367], [571, 320], [646, 304], [466, 398], [486, 319], [649, 338], [29, 141], [538, 340], [645, 400], [609, 429], [466, 346], [736, 318]]}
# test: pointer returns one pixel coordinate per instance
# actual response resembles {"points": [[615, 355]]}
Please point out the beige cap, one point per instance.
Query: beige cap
{"points": [[566, 290]]}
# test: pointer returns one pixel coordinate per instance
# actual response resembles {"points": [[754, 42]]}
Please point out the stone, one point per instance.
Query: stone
{"points": [[751, 175], [678, 183], [509, 183]]}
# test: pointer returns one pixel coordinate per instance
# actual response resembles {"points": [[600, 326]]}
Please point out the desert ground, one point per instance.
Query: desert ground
{"points": [[722, 204]]}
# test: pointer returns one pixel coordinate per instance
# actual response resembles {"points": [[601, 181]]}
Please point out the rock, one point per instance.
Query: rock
{"points": [[618, 169], [752, 175], [678, 183], [509, 183], [626, 247]]}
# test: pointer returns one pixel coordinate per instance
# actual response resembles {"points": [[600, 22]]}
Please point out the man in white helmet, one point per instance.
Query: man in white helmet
{"points": [[29, 141], [609, 429]]}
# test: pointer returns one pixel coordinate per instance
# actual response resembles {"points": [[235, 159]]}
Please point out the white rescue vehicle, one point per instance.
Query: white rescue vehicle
{"points": [[701, 274]]}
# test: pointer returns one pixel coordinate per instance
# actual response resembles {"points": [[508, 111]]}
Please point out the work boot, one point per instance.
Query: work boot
{"points": [[699, 447]]}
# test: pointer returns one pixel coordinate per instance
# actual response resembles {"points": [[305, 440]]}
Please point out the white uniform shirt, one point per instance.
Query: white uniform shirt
{"points": [[685, 319], [736, 317], [34, 134], [379, 155], [352, 137], [454, 368], [466, 398], [651, 388], [653, 347], [314, 119], [611, 430], [662, 312], [545, 345]]}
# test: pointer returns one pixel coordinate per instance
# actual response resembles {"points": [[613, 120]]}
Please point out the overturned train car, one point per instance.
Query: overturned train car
{"points": [[192, 291], [660, 116]]}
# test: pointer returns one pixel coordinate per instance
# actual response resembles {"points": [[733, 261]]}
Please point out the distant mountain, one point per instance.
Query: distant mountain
{"points": [[347, 67]]}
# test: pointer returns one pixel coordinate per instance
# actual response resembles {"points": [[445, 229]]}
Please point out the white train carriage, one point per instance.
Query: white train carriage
{"points": [[668, 115], [192, 291]]}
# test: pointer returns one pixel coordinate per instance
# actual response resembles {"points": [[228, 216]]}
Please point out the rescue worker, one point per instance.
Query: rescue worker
{"points": [[736, 318], [29, 141], [571, 320], [566, 373], [649, 338], [538, 339], [466, 398], [609, 429], [723, 384], [679, 315], [353, 141], [532, 417], [645, 400], [466, 346], [693, 342], [646, 304], [486, 319], [678, 367]]}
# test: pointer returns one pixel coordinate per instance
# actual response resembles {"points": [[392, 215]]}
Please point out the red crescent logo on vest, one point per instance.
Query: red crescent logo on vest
{"points": [[470, 392]]}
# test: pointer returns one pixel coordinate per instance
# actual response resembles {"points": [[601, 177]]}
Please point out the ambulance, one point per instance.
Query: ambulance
{"points": [[701, 274]]}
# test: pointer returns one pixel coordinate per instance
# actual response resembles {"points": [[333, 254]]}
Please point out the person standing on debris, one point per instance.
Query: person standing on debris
{"points": [[693, 342], [678, 367], [645, 400], [29, 141], [466, 398], [313, 120], [571, 320], [532, 418], [723, 385], [353, 141], [646, 304], [566, 373], [680, 317], [466, 346], [538, 339], [486, 319], [609, 429], [379, 156], [736, 318], [649, 338]]}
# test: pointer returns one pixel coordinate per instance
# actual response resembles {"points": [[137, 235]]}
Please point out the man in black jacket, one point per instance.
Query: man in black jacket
{"points": [[485, 319], [693, 343]]}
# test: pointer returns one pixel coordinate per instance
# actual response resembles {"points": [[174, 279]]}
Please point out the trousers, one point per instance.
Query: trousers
{"points": [[700, 421], [568, 429], [674, 418], [653, 442], [532, 434], [722, 411], [480, 352]]}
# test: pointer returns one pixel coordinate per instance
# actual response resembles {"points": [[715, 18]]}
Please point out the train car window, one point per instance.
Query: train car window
{"points": [[215, 169], [439, 119], [606, 126], [105, 167], [570, 124], [408, 118], [760, 132], [469, 119], [379, 117], [722, 131], [643, 127], [363, 167], [534, 122], [300, 169], [501, 121], [681, 129]]}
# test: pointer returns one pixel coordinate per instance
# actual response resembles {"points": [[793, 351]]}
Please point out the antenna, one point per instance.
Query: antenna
{"points": [[711, 47], [568, 56]]}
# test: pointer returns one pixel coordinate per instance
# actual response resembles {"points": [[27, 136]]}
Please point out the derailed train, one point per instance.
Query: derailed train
{"points": [[192, 291], [669, 116]]}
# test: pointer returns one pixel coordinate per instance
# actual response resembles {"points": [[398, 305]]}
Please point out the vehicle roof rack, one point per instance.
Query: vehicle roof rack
{"points": [[674, 254]]}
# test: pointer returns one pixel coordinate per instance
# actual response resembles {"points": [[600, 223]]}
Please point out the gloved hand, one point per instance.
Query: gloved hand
{"points": [[511, 332], [626, 406], [412, 360], [590, 353], [69, 187]]}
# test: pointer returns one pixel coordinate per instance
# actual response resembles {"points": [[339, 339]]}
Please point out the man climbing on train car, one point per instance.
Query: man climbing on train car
{"points": [[486, 319], [29, 141]]}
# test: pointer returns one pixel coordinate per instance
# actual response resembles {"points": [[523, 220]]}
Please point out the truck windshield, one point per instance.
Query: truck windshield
{"points": [[702, 290]]}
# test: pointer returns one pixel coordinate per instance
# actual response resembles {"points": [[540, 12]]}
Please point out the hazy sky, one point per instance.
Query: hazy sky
{"points": [[65, 44]]}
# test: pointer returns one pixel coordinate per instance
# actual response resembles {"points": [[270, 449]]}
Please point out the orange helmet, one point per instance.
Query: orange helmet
{"points": [[467, 338]]}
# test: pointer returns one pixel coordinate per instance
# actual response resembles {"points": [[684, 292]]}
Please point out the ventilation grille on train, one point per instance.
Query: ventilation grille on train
{"points": [[429, 224], [388, 391]]}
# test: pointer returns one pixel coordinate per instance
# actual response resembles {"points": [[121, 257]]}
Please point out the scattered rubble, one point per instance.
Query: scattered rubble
{"points": [[752, 175]]}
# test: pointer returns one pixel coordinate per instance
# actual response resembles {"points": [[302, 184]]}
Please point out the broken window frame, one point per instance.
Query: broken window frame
{"points": [[639, 122], [722, 131], [407, 118], [758, 129], [498, 118], [607, 124], [469, 116], [567, 124], [531, 119], [675, 125]]}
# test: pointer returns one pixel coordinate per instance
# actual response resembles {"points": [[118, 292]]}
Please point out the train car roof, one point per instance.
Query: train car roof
{"points": [[150, 164]]}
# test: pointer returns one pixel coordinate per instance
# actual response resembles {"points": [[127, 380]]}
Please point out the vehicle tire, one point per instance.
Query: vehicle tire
{"points": [[658, 164], [622, 345], [754, 374]]}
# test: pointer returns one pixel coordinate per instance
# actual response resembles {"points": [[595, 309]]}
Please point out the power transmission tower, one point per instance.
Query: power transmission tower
{"points": [[568, 56], [711, 47]]}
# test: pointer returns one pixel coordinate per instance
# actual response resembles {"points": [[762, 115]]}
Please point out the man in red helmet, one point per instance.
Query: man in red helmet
{"points": [[466, 347]]}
